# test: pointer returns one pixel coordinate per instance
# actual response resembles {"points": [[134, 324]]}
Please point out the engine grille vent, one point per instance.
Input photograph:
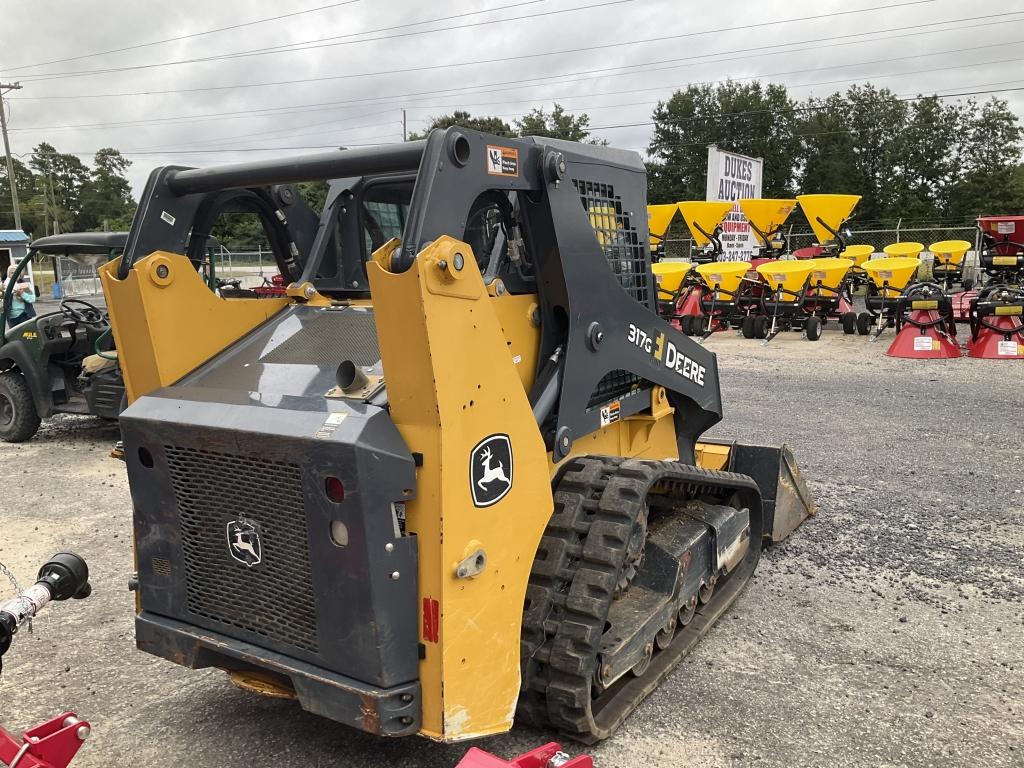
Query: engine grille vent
{"points": [[618, 237], [330, 338], [274, 598]]}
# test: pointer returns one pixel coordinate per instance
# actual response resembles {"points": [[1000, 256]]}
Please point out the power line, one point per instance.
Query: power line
{"points": [[589, 48], [353, 102], [824, 42], [272, 51], [182, 37]]}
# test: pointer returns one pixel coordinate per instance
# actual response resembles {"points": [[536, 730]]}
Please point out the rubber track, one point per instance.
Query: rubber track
{"points": [[571, 586]]}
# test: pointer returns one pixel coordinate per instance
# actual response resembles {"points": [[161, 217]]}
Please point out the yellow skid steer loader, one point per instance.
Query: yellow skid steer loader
{"points": [[453, 479]]}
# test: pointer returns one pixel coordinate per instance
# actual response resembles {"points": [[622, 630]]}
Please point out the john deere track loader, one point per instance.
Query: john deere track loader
{"points": [[452, 480]]}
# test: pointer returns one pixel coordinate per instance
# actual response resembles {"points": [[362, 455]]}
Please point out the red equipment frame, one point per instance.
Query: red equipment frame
{"points": [[548, 756], [52, 744]]}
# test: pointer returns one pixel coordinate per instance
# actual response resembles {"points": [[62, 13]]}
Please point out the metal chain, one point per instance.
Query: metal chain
{"points": [[17, 588]]}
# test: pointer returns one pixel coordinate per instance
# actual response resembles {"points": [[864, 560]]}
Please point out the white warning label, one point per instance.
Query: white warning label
{"points": [[1007, 348], [923, 344]]}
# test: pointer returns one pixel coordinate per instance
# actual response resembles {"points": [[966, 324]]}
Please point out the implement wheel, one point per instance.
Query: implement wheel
{"points": [[747, 326], [849, 323], [18, 417], [812, 328], [761, 327], [864, 323]]}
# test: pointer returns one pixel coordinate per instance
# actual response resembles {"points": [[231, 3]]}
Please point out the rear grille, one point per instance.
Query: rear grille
{"points": [[331, 338], [274, 598]]}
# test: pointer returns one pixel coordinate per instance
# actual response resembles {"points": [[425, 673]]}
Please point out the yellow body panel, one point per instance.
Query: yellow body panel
{"points": [[950, 251], [452, 383], [167, 322], [833, 210], [516, 316], [707, 214], [767, 214]]}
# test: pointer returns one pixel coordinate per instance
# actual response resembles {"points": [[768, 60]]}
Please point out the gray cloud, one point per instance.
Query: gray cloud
{"points": [[360, 105]]}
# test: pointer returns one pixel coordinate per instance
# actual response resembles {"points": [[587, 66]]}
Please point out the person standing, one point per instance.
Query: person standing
{"points": [[22, 298]]}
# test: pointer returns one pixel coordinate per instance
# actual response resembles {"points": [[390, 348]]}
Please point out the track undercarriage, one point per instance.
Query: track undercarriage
{"points": [[639, 559]]}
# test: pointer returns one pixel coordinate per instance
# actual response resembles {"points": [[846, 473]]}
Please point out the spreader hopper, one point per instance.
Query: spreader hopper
{"points": [[766, 216], [703, 216], [827, 213]]}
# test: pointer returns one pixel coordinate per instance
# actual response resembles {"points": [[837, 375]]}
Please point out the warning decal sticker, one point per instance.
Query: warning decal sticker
{"points": [[502, 161], [610, 413]]}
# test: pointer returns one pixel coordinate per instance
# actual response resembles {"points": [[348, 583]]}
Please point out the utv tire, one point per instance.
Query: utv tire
{"points": [[812, 328], [747, 326], [864, 323], [18, 417], [850, 323]]}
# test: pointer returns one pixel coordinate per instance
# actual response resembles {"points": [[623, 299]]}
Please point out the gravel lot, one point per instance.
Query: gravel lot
{"points": [[887, 631]]}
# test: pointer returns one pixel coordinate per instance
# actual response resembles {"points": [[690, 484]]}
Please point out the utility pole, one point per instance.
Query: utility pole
{"points": [[5, 87], [405, 133]]}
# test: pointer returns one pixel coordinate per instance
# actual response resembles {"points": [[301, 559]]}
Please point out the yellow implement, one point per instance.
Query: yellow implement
{"points": [[950, 252], [828, 272], [724, 275], [858, 254], [790, 276], [892, 274], [669, 275], [910, 249], [659, 218], [766, 215], [702, 216], [826, 213]]}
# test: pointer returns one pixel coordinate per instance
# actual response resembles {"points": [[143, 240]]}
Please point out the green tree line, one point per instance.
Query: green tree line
{"points": [[60, 193], [923, 159]]}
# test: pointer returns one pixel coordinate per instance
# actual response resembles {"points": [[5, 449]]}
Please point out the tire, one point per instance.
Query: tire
{"points": [[864, 323], [850, 323], [686, 324], [698, 324], [761, 327], [812, 328], [968, 284], [747, 326], [18, 417]]}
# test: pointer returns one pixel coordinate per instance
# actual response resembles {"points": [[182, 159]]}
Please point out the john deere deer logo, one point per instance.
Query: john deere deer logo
{"points": [[244, 542], [490, 470]]}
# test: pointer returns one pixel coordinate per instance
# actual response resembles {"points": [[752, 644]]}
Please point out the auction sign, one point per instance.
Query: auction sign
{"points": [[731, 177]]}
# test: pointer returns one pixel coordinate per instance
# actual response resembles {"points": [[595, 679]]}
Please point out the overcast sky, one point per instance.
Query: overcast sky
{"points": [[613, 59]]}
